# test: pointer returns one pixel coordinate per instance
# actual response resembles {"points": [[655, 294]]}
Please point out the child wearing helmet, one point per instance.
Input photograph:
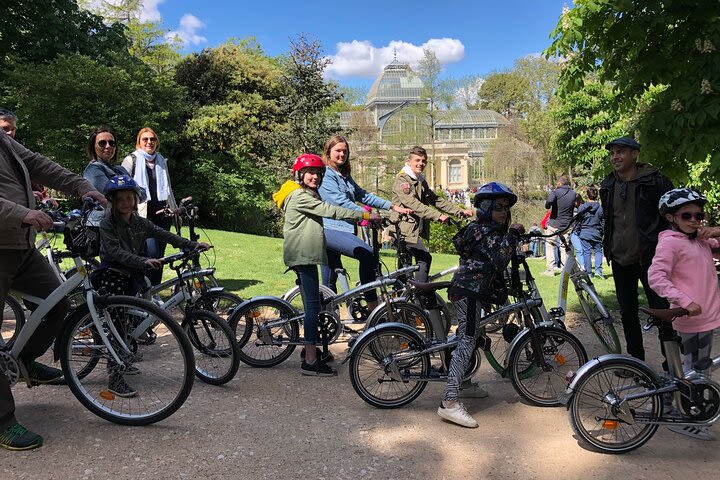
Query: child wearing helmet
{"points": [[485, 248], [683, 272], [304, 245], [123, 254]]}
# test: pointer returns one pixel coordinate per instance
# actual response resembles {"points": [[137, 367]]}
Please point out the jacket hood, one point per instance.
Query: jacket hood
{"points": [[281, 195], [674, 234]]}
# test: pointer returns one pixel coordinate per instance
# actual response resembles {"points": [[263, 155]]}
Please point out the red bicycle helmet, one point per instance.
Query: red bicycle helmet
{"points": [[306, 160]]}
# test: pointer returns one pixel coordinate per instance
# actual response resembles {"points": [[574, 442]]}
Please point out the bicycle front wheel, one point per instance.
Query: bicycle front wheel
{"points": [[217, 357], [602, 394], [539, 377], [249, 323], [153, 379], [372, 377], [602, 324], [407, 313]]}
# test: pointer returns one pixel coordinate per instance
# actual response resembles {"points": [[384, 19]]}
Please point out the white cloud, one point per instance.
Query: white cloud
{"points": [[363, 59], [187, 31], [150, 12]]}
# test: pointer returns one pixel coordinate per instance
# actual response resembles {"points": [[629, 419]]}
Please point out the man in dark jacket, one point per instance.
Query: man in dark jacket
{"points": [[24, 268], [561, 203], [629, 197], [590, 217]]}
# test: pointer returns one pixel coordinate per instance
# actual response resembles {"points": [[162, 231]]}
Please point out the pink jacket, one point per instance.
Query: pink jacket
{"points": [[683, 271]]}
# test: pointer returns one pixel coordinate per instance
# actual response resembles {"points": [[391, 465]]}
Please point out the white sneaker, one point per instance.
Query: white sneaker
{"points": [[457, 414], [548, 273], [472, 390]]}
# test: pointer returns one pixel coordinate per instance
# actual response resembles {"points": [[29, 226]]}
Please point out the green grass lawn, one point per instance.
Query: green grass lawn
{"points": [[250, 265]]}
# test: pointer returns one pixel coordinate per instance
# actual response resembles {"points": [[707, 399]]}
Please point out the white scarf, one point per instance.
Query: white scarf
{"points": [[161, 177], [412, 175]]}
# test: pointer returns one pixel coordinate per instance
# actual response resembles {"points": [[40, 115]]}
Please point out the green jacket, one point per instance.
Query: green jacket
{"points": [[303, 230], [421, 199]]}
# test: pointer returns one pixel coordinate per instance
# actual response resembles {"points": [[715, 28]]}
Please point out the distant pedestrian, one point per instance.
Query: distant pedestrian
{"points": [[561, 203]]}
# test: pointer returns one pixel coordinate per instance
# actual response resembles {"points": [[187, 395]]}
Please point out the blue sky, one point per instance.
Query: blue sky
{"points": [[468, 37]]}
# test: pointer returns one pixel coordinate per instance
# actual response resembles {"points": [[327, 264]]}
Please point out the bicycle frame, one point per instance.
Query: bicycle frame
{"points": [[45, 305]]}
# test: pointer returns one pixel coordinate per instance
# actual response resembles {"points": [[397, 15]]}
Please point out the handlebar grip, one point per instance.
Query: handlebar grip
{"points": [[186, 200]]}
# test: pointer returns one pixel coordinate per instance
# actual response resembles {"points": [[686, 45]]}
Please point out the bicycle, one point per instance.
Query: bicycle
{"points": [[391, 363], [99, 339], [218, 354], [615, 402], [598, 316]]}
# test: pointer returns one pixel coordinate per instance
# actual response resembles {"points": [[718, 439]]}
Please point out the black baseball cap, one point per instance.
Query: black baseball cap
{"points": [[624, 142]]}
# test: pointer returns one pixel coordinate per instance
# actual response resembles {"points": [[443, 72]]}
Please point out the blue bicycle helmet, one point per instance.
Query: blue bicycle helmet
{"points": [[120, 182], [486, 195]]}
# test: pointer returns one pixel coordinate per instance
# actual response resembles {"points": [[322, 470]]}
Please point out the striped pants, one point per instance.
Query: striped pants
{"points": [[468, 312]]}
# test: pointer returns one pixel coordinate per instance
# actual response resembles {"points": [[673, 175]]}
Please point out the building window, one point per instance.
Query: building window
{"points": [[454, 171]]}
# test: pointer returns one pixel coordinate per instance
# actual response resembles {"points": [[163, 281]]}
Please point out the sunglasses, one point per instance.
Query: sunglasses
{"points": [[500, 208], [699, 216], [148, 139], [102, 143]]}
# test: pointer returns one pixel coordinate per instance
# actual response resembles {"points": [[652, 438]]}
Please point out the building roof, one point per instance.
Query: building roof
{"points": [[396, 83], [469, 118]]}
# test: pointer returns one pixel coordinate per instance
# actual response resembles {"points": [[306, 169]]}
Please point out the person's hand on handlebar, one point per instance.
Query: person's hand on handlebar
{"points": [[693, 309], [469, 213], [97, 196], [517, 228], [443, 218], [202, 246], [38, 219], [400, 209], [153, 263]]}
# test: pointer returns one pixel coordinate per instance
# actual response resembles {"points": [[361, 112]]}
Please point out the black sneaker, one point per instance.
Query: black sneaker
{"points": [[324, 357], [118, 386], [17, 437], [317, 369], [42, 374]]}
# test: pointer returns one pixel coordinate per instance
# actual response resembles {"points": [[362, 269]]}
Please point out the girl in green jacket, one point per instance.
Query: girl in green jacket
{"points": [[304, 245]]}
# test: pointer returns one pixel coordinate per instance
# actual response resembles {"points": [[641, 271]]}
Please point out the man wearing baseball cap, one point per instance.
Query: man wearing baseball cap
{"points": [[629, 197]]}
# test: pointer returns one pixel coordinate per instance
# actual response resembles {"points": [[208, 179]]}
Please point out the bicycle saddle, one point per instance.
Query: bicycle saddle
{"points": [[429, 287], [664, 314]]}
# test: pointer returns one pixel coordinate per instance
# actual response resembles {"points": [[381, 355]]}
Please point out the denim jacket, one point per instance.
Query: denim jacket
{"points": [[344, 192]]}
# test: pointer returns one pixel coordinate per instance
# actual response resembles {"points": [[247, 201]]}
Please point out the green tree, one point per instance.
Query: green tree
{"points": [[660, 55], [308, 103], [32, 31], [507, 93]]}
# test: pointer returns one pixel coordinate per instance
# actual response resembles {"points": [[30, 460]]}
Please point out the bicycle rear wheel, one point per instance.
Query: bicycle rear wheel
{"points": [[539, 384], [247, 321], [407, 313], [11, 322], [217, 357], [602, 324], [601, 394], [161, 373]]}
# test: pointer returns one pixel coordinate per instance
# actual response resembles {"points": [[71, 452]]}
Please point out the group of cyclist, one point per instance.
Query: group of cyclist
{"points": [[320, 205]]}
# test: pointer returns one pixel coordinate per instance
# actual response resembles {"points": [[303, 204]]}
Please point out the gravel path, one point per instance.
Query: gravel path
{"points": [[276, 424]]}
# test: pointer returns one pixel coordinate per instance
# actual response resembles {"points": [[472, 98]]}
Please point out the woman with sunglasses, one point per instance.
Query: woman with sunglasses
{"points": [[102, 154], [149, 170], [683, 272]]}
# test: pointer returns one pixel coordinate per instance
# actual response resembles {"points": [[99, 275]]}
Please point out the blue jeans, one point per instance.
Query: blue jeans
{"points": [[588, 248], [575, 240], [156, 249], [346, 243], [310, 292]]}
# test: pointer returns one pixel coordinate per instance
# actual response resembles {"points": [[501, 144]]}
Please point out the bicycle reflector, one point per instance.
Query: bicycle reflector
{"points": [[610, 424], [560, 359], [107, 395]]}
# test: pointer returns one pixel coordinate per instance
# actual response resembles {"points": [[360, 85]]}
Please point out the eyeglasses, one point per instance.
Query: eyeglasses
{"points": [[148, 139], [699, 216], [102, 143]]}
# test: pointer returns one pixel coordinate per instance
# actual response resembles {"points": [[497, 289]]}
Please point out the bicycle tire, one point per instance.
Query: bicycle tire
{"points": [[369, 376], [602, 325], [222, 304], [166, 367], [563, 354], [217, 356], [406, 313], [294, 298], [11, 322], [594, 420], [500, 341], [248, 319]]}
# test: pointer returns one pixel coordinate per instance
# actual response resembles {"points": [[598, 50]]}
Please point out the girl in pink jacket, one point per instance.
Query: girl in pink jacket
{"points": [[683, 271]]}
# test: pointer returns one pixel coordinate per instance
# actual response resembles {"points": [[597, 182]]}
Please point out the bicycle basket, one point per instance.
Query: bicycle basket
{"points": [[82, 239]]}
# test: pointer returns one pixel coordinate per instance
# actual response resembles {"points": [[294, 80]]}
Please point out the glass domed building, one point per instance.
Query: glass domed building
{"points": [[396, 117]]}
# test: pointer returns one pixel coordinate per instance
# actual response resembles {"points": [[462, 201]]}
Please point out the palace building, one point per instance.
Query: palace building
{"points": [[396, 117]]}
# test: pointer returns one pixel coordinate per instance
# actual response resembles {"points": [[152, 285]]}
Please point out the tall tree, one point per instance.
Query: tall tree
{"points": [[663, 52], [507, 93]]}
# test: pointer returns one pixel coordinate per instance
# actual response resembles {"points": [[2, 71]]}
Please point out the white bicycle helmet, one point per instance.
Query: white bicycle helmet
{"points": [[678, 197]]}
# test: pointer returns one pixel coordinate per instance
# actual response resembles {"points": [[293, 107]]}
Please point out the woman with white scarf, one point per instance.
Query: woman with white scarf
{"points": [[149, 169]]}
